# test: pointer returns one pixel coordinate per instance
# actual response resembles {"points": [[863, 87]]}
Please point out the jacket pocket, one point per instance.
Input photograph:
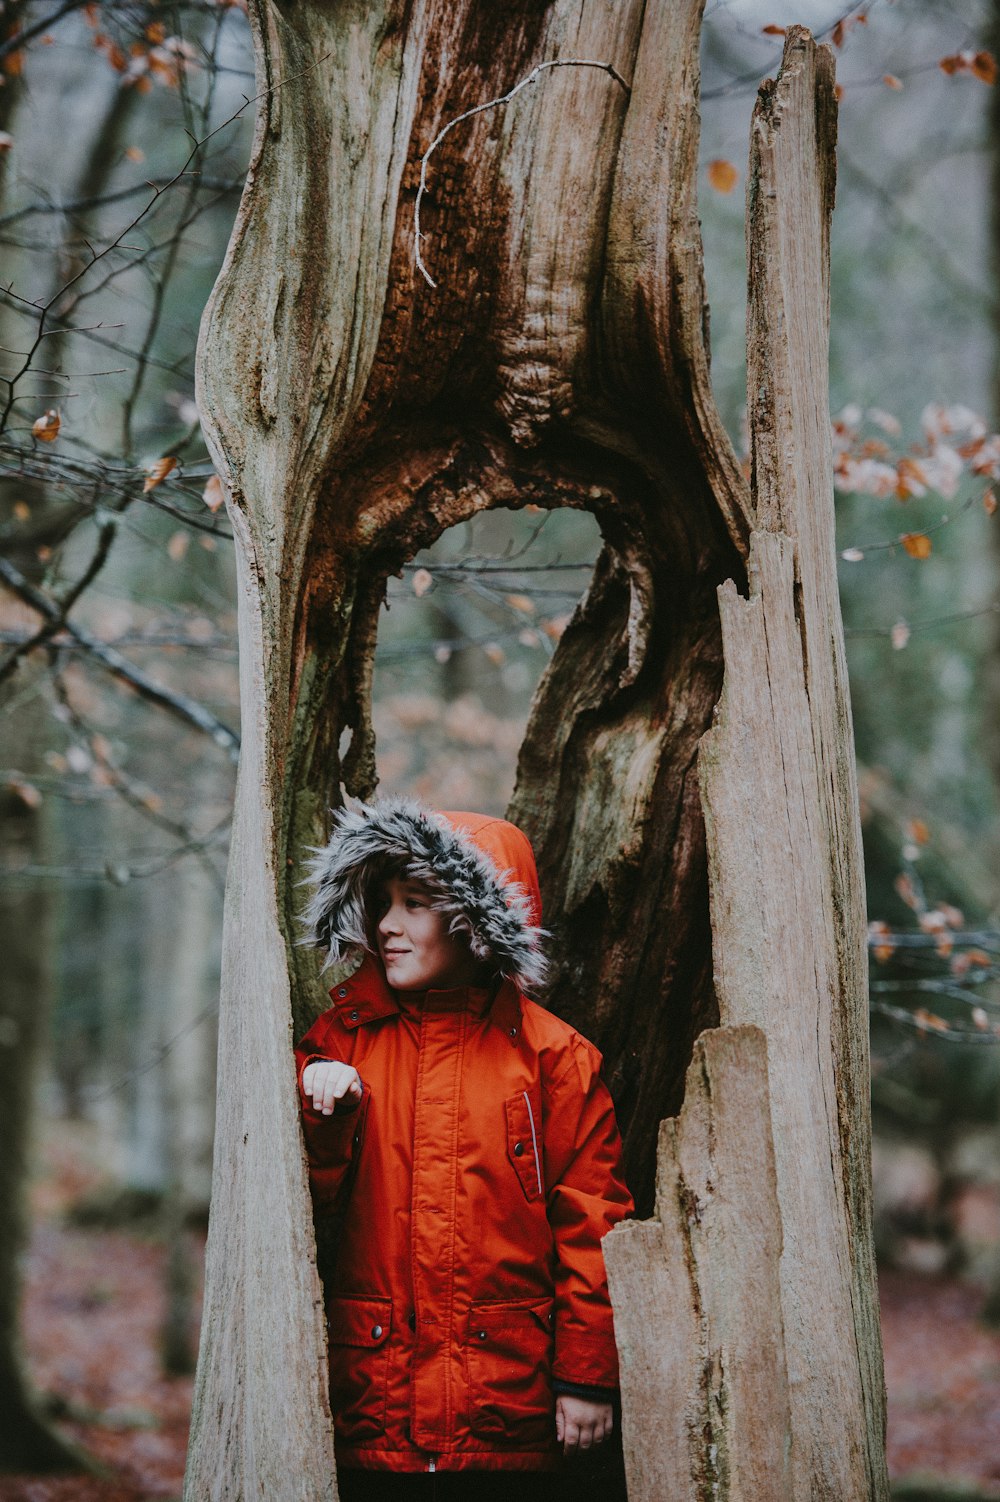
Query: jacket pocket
{"points": [[524, 1142], [509, 1360], [358, 1330]]}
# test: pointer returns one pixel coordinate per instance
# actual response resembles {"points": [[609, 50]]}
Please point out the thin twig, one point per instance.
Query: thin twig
{"points": [[559, 62], [120, 667]]}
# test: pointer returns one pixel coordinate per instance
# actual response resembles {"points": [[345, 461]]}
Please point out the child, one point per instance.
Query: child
{"points": [[467, 1136]]}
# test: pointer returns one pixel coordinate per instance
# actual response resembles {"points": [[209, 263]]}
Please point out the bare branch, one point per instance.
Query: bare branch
{"points": [[176, 704]]}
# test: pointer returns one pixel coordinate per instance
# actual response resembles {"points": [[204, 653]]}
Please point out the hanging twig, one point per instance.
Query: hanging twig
{"points": [[147, 688], [559, 62]]}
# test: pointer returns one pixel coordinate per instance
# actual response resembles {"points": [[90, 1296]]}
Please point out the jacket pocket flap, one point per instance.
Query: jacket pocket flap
{"points": [[358, 1322], [490, 1318]]}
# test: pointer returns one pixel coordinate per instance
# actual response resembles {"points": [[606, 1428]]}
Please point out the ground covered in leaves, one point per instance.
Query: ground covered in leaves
{"points": [[94, 1306]]}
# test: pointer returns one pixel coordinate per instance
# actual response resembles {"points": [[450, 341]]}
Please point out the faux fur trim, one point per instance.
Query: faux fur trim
{"points": [[484, 903]]}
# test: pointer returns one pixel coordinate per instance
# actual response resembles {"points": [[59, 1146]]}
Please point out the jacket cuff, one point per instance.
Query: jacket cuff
{"points": [[585, 1359], [589, 1391]]}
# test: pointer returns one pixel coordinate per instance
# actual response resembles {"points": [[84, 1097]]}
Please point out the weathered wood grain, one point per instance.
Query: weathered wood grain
{"points": [[705, 1404]]}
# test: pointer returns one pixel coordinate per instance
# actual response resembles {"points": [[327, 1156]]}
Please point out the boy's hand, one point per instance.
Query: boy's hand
{"points": [[330, 1081], [581, 1424]]}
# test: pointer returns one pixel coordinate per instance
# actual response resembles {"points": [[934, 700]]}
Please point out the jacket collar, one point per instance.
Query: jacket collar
{"points": [[366, 996]]}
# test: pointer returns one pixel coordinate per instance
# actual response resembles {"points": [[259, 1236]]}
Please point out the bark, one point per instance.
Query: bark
{"points": [[706, 1412], [355, 413], [27, 1441]]}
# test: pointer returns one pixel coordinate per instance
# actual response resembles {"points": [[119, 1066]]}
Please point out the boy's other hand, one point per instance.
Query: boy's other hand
{"points": [[581, 1424], [330, 1081]]}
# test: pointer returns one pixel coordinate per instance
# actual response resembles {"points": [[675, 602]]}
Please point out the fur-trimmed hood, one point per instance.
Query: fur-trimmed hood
{"points": [[481, 868]]}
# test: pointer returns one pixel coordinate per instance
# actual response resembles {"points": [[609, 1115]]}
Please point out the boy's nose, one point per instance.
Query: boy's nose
{"points": [[388, 923]]}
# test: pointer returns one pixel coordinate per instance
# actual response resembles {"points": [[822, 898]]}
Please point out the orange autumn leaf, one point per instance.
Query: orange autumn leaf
{"points": [[22, 511], [722, 175], [47, 426], [981, 65], [178, 545], [891, 81], [773, 31], [13, 63], [156, 31], [213, 495], [26, 791], [918, 831], [925, 1019], [984, 67], [989, 502], [979, 957], [917, 544], [523, 603], [905, 888], [880, 939], [157, 473]]}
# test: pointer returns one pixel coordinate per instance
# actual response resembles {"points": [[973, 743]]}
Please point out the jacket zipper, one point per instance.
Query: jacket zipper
{"points": [[534, 1140], [432, 1463]]}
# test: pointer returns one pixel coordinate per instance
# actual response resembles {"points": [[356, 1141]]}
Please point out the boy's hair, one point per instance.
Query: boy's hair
{"points": [[398, 837]]}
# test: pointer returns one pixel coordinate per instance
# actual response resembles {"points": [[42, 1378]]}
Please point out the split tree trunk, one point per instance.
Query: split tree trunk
{"points": [[355, 413], [788, 919]]}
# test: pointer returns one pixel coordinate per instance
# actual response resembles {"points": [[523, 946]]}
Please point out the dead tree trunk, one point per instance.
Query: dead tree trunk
{"points": [[355, 413], [788, 910]]}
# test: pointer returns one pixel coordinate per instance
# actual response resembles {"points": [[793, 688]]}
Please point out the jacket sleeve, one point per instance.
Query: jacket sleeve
{"points": [[588, 1196], [332, 1142]]}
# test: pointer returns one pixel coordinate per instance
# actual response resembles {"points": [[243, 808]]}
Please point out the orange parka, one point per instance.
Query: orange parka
{"points": [[476, 1177]]}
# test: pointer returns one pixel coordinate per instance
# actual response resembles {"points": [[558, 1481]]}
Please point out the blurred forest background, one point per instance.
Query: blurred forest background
{"points": [[125, 130]]}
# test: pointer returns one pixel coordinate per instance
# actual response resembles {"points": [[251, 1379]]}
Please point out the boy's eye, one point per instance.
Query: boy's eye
{"points": [[415, 902]]}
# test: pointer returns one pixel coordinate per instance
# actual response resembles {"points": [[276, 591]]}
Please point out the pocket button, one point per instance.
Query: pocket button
{"points": [[376, 1332], [518, 1149]]}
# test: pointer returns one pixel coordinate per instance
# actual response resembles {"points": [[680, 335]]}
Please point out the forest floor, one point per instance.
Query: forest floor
{"points": [[93, 1308]]}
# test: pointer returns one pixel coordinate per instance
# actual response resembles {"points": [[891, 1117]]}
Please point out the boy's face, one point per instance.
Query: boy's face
{"points": [[418, 952]]}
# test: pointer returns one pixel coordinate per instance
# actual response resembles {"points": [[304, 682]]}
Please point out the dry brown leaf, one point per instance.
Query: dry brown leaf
{"points": [[989, 502], [47, 426], [26, 791], [984, 67], [213, 495], [178, 545], [21, 510], [925, 1019], [773, 31], [918, 831], [891, 81], [524, 603], [158, 472], [722, 175], [917, 544]]}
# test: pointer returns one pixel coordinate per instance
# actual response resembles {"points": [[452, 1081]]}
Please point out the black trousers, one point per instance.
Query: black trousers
{"points": [[451, 1486]]}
